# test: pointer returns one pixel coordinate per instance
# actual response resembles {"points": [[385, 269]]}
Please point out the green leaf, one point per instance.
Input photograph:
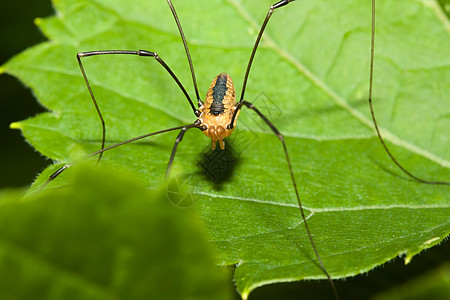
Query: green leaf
{"points": [[310, 77], [104, 237]]}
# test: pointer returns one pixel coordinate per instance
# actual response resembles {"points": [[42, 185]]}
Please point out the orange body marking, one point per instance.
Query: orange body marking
{"points": [[217, 112]]}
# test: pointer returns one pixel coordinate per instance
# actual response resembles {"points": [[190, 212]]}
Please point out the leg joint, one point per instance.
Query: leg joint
{"points": [[280, 4], [147, 53]]}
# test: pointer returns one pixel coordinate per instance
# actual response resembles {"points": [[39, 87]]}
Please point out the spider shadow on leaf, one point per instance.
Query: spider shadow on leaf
{"points": [[217, 166]]}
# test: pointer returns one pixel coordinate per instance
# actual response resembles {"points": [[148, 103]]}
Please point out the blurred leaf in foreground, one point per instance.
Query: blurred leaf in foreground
{"points": [[104, 237]]}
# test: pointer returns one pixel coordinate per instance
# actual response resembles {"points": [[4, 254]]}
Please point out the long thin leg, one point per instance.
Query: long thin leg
{"points": [[186, 49], [258, 39], [65, 167], [252, 56], [139, 53], [281, 138], [372, 51], [175, 146]]}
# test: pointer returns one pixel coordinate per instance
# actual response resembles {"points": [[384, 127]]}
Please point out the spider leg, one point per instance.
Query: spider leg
{"points": [[372, 112], [143, 53], [252, 55], [99, 152], [175, 146], [281, 138]]}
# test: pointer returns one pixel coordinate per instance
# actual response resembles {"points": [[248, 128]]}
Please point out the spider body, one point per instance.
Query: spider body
{"points": [[218, 109]]}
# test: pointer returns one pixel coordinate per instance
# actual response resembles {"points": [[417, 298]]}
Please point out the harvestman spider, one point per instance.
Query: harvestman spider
{"points": [[217, 115]]}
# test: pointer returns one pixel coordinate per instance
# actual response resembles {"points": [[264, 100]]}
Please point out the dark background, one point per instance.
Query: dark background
{"points": [[20, 163]]}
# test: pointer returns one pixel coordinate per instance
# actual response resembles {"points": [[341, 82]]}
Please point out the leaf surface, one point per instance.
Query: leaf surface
{"points": [[310, 77]]}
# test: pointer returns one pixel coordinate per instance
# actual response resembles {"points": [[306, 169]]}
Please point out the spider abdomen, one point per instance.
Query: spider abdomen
{"points": [[221, 95]]}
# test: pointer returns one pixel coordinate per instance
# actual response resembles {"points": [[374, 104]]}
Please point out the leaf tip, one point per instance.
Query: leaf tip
{"points": [[427, 244], [38, 21], [408, 259], [15, 125]]}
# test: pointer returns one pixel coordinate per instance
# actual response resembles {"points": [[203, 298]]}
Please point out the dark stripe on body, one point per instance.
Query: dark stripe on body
{"points": [[219, 91]]}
